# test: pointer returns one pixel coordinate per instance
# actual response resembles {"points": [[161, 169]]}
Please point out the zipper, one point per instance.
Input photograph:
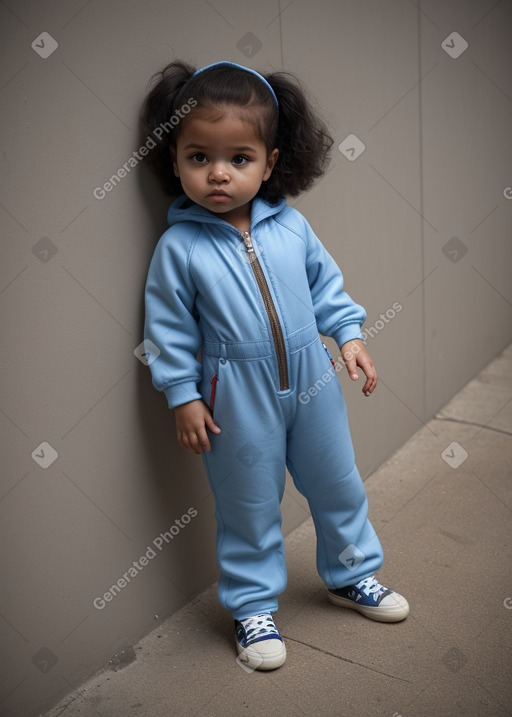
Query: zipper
{"points": [[273, 318]]}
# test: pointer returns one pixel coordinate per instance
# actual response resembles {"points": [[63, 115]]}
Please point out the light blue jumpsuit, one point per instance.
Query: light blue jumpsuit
{"points": [[255, 305]]}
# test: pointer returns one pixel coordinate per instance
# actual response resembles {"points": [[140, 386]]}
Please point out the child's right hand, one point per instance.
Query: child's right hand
{"points": [[192, 420]]}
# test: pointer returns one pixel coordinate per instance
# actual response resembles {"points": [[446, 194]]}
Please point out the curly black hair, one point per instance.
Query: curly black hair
{"points": [[295, 128]]}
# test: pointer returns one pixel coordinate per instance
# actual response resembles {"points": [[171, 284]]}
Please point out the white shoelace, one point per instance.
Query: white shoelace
{"points": [[259, 626], [371, 586]]}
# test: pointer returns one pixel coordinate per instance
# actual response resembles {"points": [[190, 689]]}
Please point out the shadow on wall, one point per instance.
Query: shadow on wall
{"points": [[177, 477]]}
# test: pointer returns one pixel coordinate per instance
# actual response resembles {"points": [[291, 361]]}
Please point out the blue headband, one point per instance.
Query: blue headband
{"points": [[226, 63]]}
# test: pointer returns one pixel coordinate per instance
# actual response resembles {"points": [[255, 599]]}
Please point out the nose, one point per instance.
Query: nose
{"points": [[219, 173]]}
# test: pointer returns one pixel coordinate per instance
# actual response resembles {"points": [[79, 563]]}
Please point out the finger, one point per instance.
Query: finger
{"points": [[185, 442], [202, 440], [368, 388], [370, 385], [210, 423], [350, 353], [351, 368]]}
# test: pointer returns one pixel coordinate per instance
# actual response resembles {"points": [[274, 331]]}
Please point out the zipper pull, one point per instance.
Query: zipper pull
{"points": [[248, 242]]}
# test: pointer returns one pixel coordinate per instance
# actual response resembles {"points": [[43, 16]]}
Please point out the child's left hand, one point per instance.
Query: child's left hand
{"points": [[354, 354]]}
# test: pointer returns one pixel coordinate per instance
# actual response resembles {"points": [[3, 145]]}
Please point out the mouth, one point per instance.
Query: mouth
{"points": [[219, 196]]}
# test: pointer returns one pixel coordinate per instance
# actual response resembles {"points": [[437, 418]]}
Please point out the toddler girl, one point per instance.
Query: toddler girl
{"points": [[240, 278]]}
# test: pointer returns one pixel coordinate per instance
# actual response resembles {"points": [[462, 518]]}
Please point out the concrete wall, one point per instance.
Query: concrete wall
{"points": [[421, 219]]}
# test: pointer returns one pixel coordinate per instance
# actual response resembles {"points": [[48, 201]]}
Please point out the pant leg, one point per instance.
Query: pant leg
{"points": [[320, 458], [246, 471]]}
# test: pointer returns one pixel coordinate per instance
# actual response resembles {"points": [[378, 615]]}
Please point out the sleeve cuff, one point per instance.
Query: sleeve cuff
{"points": [[182, 393], [349, 332]]}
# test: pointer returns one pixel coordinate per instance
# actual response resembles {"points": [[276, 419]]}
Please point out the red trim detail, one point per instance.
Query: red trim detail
{"points": [[212, 392], [329, 355]]}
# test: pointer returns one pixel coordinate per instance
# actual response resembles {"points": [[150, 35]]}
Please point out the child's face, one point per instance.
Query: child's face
{"points": [[221, 163]]}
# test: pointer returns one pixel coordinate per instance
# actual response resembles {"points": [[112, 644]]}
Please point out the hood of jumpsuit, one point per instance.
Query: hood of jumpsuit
{"points": [[201, 287]]}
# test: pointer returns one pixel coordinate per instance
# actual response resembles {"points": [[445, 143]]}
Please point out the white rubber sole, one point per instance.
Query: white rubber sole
{"points": [[395, 612], [265, 655]]}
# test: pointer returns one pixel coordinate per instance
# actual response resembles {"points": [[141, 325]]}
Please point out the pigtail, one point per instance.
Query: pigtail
{"points": [[295, 129], [302, 138], [157, 121]]}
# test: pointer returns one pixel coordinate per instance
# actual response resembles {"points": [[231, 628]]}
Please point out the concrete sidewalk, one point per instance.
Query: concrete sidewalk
{"points": [[442, 508]]}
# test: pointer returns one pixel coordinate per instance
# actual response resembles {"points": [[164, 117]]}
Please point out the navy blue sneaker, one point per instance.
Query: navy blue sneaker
{"points": [[259, 644], [372, 600]]}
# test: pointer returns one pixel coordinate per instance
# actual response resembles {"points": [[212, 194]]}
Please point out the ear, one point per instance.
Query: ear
{"points": [[172, 151], [271, 162]]}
